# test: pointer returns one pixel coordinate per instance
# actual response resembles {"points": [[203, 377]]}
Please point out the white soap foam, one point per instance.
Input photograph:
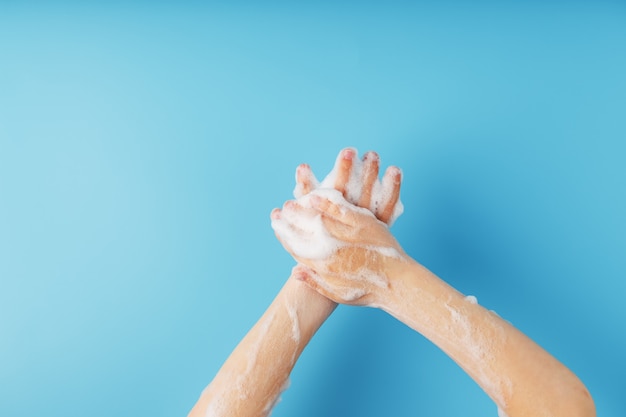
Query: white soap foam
{"points": [[331, 178], [292, 311], [310, 241], [380, 190], [397, 212], [298, 191], [252, 356], [354, 186], [352, 294], [386, 251], [275, 399], [471, 299], [346, 293], [480, 348], [367, 275], [320, 282], [335, 197], [384, 197], [304, 232], [218, 405], [216, 408], [501, 413]]}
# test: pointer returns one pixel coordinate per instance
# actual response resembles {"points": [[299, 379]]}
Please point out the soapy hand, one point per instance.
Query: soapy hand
{"points": [[358, 182], [344, 251]]}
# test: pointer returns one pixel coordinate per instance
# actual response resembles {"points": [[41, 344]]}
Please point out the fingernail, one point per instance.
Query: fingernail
{"points": [[303, 168], [398, 174], [288, 205], [348, 154], [370, 155]]}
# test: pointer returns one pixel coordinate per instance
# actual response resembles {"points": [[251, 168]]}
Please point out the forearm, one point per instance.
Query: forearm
{"points": [[521, 377], [252, 378]]}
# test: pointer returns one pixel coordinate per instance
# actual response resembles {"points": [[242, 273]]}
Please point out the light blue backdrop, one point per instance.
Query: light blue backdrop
{"points": [[143, 146]]}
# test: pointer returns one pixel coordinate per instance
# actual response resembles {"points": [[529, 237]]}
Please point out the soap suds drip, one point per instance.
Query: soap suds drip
{"points": [[292, 311], [501, 413], [275, 399], [252, 356], [386, 251], [353, 294], [480, 348], [371, 277], [216, 408], [471, 299], [241, 383]]}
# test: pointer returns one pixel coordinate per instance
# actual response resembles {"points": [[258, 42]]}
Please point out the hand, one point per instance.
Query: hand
{"points": [[358, 182], [343, 250]]}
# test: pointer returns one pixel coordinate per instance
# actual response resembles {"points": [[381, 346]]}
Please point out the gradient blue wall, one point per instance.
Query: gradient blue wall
{"points": [[143, 146]]}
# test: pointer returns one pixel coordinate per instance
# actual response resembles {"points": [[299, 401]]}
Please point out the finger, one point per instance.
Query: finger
{"points": [[301, 222], [339, 294], [289, 234], [284, 236], [343, 230], [302, 272], [329, 208], [305, 181], [275, 214], [371, 164], [391, 190], [344, 168], [311, 279], [296, 215]]}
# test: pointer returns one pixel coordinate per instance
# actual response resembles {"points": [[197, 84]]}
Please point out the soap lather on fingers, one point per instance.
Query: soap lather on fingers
{"points": [[358, 182], [344, 251], [352, 186]]}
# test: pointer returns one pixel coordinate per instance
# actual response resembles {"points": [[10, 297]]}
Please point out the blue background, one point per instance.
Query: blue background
{"points": [[143, 146]]}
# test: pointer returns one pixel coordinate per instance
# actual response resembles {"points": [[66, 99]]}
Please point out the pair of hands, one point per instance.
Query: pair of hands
{"points": [[347, 217]]}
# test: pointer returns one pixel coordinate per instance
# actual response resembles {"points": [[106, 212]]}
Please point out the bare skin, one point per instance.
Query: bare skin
{"points": [[257, 371], [522, 378]]}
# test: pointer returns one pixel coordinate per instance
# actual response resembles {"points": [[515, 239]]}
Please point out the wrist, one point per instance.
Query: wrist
{"points": [[413, 295], [397, 272], [307, 306]]}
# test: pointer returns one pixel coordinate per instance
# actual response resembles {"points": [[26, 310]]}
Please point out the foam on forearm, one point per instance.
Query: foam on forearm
{"points": [[241, 381]]}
